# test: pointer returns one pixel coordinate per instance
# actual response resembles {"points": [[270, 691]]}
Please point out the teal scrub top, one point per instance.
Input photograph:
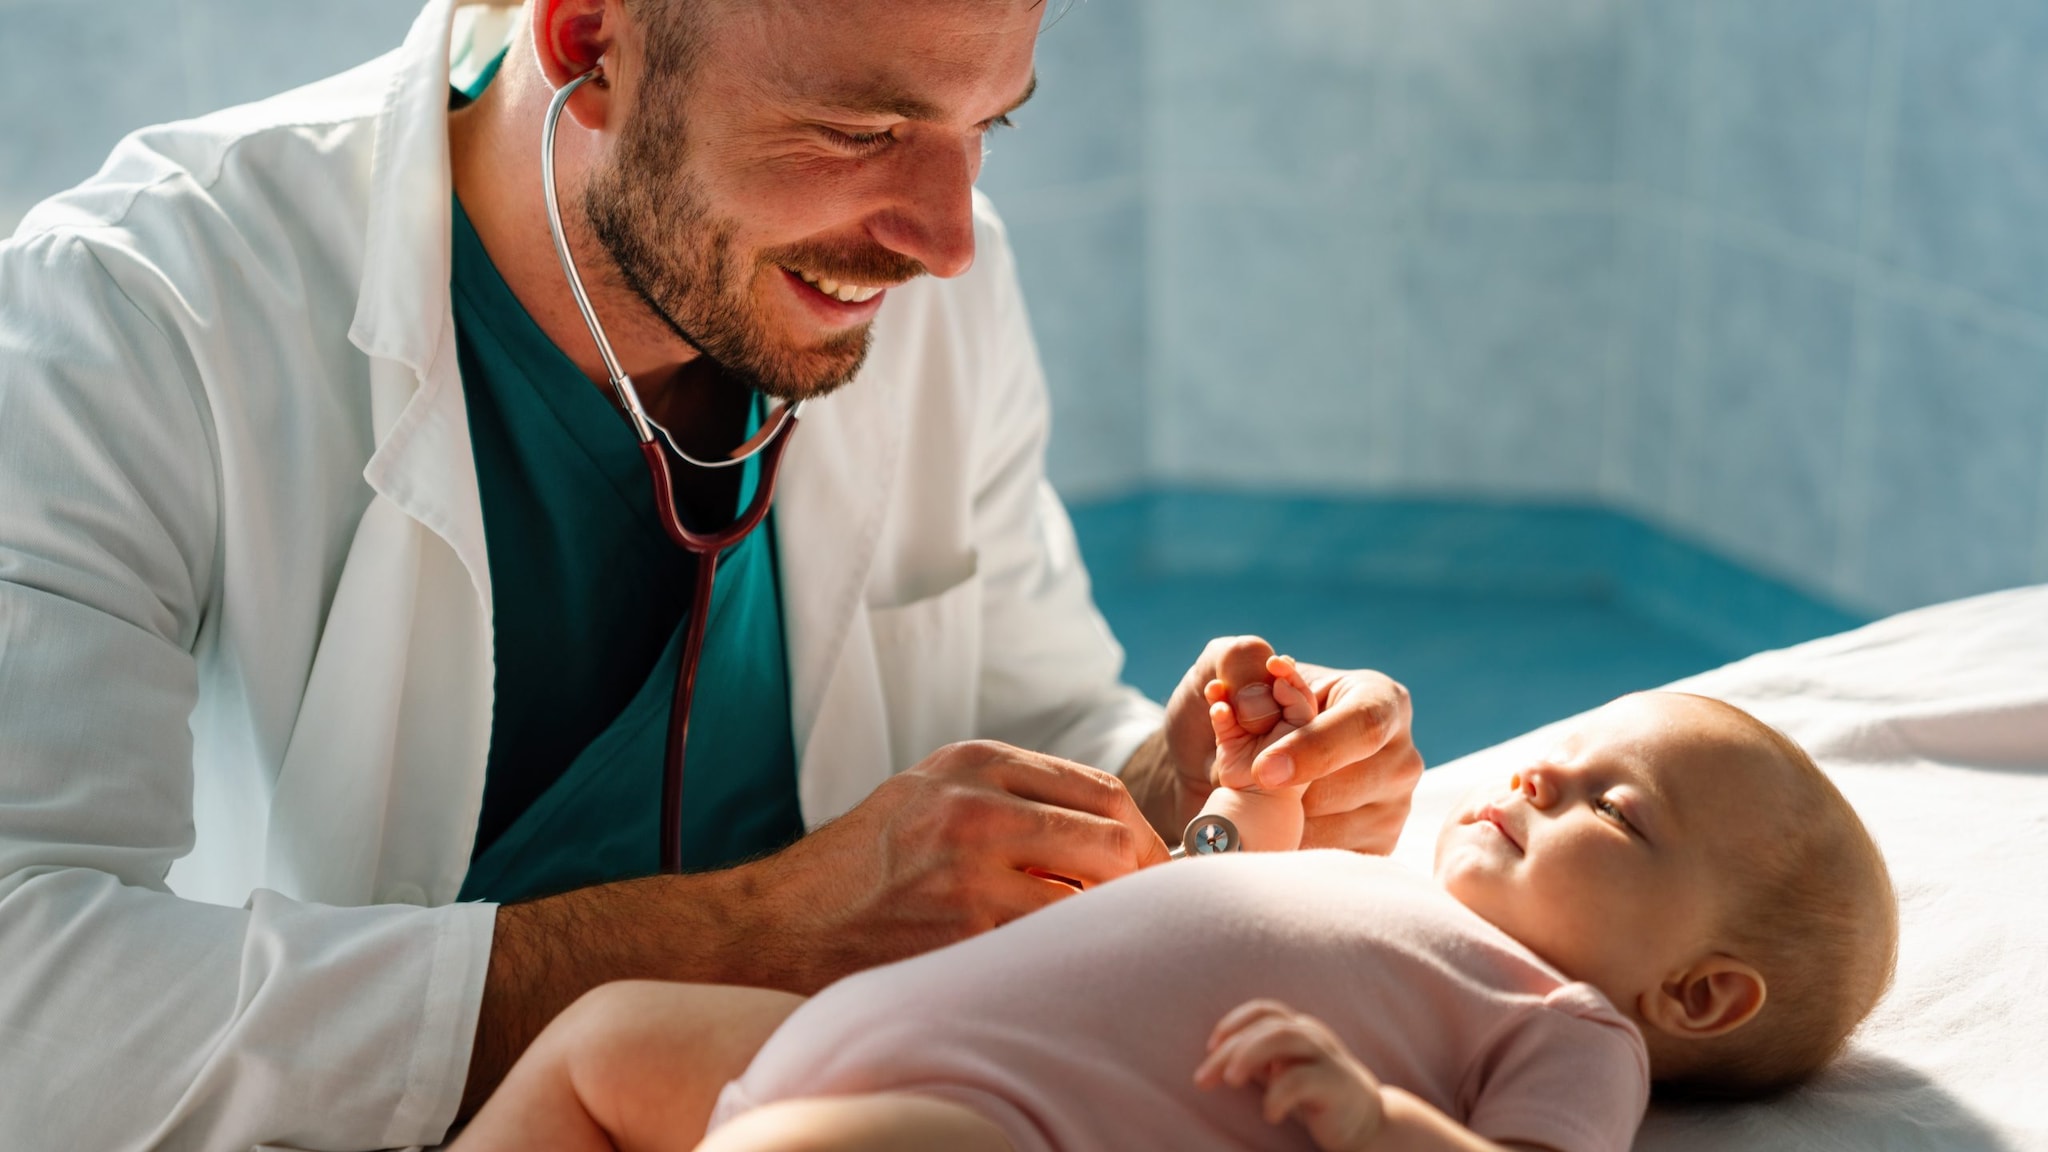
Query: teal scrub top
{"points": [[589, 598]]}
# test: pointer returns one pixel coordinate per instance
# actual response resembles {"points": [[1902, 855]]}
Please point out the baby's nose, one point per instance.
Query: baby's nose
{"points": [[1535, 787]]}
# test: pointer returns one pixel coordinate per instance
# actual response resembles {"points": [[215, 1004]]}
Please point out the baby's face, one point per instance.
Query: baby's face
{"points": [[1609, 856]]}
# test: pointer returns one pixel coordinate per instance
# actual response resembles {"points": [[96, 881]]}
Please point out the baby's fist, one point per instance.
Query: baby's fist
{"points": [[1237, 743], [1307, 1073]]}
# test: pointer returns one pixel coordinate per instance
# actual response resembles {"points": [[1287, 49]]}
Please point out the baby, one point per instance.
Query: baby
{"points": [[1674, 894]]}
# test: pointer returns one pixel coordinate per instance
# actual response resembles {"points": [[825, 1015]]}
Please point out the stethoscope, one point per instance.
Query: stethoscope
{"points": [[1209, 834], [768, 444]]}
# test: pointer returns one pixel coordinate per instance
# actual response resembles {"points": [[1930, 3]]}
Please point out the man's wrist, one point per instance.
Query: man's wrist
{"points": [[548, 952], [1154, 781]]}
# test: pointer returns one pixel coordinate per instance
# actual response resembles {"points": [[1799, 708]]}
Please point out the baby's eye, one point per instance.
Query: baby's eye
{"points": [[1611, 810]]}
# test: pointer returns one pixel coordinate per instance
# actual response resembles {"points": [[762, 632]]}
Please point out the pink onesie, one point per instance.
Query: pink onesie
{"points": [[1079, 1027]]}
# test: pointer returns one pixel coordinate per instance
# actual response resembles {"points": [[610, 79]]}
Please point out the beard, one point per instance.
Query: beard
{"points": [[652, 216]]}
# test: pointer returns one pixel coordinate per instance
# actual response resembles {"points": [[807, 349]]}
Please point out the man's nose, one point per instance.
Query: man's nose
{"points": [[933, 219]]}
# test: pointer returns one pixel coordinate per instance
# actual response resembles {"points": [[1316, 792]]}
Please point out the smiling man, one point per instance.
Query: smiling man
{"points": [[337, 629]]}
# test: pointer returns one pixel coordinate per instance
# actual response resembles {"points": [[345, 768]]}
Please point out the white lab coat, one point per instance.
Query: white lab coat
{"points": [[245, 617]]}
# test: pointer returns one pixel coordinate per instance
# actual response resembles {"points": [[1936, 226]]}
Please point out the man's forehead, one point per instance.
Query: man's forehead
{"points": [[916, 59]]}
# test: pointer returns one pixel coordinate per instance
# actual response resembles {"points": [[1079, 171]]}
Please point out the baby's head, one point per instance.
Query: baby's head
{"points": [[1695, 866]]}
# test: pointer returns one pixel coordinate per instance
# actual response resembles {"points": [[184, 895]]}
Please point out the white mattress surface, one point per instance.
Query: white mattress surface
{"points": [[1935, 725]]}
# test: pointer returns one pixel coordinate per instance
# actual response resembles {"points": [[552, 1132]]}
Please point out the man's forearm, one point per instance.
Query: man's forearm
{"points": [[548, 952]]}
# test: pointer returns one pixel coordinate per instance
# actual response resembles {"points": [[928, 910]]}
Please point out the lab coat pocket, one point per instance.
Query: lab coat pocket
{"points": [[928, 652]]}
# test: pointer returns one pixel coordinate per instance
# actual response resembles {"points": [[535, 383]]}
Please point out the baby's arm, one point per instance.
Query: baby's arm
{"points": [[636, 1064], [1309, 1076]]}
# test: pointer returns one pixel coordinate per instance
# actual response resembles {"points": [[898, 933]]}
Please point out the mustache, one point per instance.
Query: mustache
{"points": [[868, 264]]}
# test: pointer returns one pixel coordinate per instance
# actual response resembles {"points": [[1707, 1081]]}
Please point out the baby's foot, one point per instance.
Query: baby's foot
{"points": [[1237, 747]]}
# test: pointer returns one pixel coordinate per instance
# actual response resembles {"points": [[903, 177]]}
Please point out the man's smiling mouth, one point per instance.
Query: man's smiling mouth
{"points": [[844, 293]]}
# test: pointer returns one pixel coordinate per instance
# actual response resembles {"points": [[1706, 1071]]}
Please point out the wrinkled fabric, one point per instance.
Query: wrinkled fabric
{"points": [[1079, 1028]]}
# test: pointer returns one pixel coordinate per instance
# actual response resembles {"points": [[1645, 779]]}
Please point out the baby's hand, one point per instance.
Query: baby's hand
{"points": [[1308, 1074], [1236, 746]]}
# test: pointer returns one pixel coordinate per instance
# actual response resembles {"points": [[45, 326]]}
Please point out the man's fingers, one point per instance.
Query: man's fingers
{"points": [[1078, 845], [1060, 783], [1392, 772], [1354, 726], [1029, 810], [1375, 829], [1012, 895]]}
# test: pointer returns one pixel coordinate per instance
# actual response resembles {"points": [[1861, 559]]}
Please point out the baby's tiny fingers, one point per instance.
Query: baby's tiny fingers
{"points": [[1303, 1084], [1237, 1018], [1223, 721], [1258, 1050]]}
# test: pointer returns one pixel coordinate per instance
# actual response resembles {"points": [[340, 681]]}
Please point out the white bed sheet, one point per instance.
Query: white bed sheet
{"points": [[1935, 725]]}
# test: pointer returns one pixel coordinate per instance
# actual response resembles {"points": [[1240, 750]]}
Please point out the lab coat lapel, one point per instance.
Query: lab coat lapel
{"points": [[402, 755], [829, 521]]}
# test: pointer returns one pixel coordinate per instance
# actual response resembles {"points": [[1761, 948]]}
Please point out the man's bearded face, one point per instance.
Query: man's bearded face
{"points": [[651, 213], [783, 163]]}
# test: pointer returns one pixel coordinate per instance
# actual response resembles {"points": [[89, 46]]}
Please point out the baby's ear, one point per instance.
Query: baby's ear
{"points": [[1714, 996]]}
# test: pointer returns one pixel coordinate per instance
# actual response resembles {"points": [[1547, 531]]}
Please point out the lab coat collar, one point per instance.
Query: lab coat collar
{"points": [[404, 321], [405, 282]]}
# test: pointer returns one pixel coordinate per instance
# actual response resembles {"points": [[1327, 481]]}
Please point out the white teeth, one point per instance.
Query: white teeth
{"points": [[844, 293]]}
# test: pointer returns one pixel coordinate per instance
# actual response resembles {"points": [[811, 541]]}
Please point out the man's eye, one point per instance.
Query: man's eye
{"points": [[988, 126], [860, 143]]}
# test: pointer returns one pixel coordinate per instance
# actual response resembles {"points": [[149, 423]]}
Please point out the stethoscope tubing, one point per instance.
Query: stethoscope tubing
{"points": [[769, 444]]}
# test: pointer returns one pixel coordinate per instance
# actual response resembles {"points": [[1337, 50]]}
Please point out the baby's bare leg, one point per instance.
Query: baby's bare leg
{"points": [[878, 1123], [635, 1065]]}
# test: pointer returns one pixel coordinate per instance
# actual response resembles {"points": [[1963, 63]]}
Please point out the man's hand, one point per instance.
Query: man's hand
{"points": [[1358, 755], [973, 837], [1307, 1074]]}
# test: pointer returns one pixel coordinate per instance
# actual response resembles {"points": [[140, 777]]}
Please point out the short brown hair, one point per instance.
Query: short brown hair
{"points": [[1817, 916]]}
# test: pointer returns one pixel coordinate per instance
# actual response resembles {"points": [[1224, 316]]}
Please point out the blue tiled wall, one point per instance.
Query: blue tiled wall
{"points": [[79, 74], [1771, 276], [1836, 331], [1069, 181]]}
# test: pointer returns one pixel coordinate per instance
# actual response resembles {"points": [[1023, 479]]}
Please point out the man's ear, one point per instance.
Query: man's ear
{"points": [[1714, 996], [571, 37]]}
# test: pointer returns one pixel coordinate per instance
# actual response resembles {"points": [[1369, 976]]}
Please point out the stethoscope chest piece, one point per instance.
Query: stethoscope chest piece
{"points": [[1208, 835]]}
